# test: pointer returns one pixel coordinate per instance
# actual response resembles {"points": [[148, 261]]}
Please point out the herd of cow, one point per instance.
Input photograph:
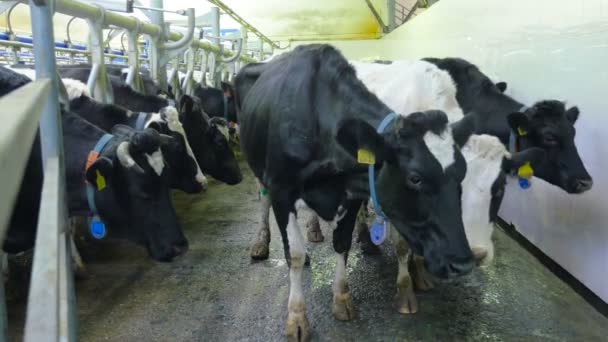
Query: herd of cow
{"points": [[430, 141]]}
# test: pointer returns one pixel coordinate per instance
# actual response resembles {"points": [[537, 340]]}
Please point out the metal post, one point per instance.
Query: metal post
{"points": [[3, 317], [204, 60], [157, 46], [261, 50], [44, 53], [133, 77], [390, 4], [44, 313], [215, 25], [98, 82]]}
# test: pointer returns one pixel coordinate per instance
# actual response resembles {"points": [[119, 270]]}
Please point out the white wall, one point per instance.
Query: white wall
{"points": [[543, 49]]}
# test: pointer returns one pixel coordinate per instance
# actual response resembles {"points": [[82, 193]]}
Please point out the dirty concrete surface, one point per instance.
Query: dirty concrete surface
{"points": [[216, 293]]}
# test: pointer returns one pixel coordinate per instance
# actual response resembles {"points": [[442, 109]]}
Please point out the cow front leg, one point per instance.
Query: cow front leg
{"points": [[422, 278], [313, 229], [260, 247], [363, 237], [342, 306], [405, 299], [297, 328]]}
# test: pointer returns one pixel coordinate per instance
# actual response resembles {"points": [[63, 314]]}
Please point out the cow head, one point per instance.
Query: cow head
{"points": [[418, 185], [550, 126], [209, 141], [182, 167], [132, 193]]}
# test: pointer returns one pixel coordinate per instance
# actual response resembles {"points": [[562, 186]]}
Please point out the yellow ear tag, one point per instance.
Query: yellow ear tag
{"points": [[525, 171], [366, 156], [100, 180], [521, 131]]}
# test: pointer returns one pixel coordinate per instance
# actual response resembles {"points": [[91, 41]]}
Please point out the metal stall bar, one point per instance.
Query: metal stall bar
{"points": [[16, 137], [45, 314]]}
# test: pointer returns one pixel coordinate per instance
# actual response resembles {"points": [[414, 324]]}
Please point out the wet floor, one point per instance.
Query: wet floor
{"points": [[215, 293]]}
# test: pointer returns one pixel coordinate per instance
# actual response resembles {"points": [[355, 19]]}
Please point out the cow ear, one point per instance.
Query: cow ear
{"points": [[534, 155], [362, 141], [99, 172], [227, 89], [185, 104], [502, 86], [572, 114], [463, 129], [518, 122]]}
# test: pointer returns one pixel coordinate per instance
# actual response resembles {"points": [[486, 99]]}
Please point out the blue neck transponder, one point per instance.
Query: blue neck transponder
{"points": [[140, 123], [378, 230], [98, 228], [525, 182]]}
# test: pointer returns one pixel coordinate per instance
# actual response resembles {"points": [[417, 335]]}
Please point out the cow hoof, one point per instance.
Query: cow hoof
{"points": [[423, 280], [342, 307], [405, 301], [314, 236], [297, 328], [260, 250], [307, 260], [480, 254]]}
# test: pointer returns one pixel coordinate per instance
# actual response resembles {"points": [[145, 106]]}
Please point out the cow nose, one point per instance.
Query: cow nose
{"points": [[583, 185]]}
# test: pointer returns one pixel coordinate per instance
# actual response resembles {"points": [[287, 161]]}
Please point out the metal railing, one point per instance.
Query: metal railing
{"points": [[51, 309]]}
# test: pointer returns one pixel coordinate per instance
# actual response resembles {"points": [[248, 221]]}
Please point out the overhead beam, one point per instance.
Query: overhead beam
{"points": [[244, 23], [384, 27]]}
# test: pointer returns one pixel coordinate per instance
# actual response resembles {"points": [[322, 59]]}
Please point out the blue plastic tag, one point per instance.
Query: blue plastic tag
{"points": [[378, 230], [524, 183], [98, 228]]}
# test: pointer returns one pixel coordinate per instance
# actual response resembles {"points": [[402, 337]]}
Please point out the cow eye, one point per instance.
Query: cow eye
{"points": [[414, 180]]}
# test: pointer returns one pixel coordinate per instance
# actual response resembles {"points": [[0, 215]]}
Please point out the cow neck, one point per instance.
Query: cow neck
{"points": [[79, 138], [493, 115]]}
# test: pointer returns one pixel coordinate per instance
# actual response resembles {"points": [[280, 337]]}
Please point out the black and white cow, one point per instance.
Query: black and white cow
{"points": [[547, 124], [130, 189], [305, 119], [182, 166]]}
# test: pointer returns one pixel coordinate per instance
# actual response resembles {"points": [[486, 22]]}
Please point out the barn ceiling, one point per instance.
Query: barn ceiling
{"points": [[278, 19]]}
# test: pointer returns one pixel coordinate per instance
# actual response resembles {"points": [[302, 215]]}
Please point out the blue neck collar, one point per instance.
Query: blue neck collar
{"points": [[97, 227], [140, 123], [371, 168]]}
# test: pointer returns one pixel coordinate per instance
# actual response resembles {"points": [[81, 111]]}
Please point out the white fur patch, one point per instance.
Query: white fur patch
{"points": [[441, 146], [156, 161], [172, 120], [75, 88], [411, 86], [30, 73], [484, 155], [297, 251]]}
